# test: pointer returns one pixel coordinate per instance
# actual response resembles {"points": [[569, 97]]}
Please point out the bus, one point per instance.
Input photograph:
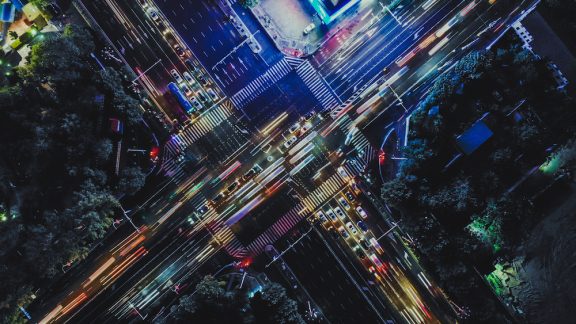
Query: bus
{"points": [[182, 100]]}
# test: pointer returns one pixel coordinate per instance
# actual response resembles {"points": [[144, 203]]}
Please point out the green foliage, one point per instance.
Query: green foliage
{"points": [[56, 160], [211, 303], [248, 3]]}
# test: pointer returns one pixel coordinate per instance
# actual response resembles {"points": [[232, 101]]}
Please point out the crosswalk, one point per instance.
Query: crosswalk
{"points": [[203, 125], [261, 84], [317, 86], [277, 230], [326, 190]]}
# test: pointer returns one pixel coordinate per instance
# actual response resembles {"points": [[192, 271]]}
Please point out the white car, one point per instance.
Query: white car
{"points": [[212, 94], [342, 172], [309, 28], [154, 15], [294, 128], [343, 232], [291, 141], [340, 213], [321, 216], [331, 215], [351, 228], [361, 212], [344, 203], [176, 76], [189, 78]]}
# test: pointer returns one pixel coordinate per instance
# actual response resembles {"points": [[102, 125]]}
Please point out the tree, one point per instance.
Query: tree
{"points": [[13, 35], [396, 192], [132, 180], [248, 3], [272, 305]]}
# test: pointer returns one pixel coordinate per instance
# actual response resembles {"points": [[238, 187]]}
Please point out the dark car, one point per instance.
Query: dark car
{"points": [[350, 196], [364, 244], [362, 226]]}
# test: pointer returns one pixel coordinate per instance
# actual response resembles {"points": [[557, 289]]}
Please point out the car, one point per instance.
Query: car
{"points": [[376, 261], [162, 28], [186, 90], [359, 253], [309, 116], [340, 213], [202, 97], [212, 94], [176, 76], [202, 210], [143, 3], [217, 198], [196, 103], [361, 212], [351, 228], [203, 79], [331, 214], [154, 15], [309, 28], [321, 216], [334, 233], [188, 77], [343, 232], [376, 245], [305, 128], [190, 65], [232, 187], [290, 141], [364, 244], [294, 128], [362, 226], [342, 172], [350, 196], [178, 49], [250, 173], [344, 203]]}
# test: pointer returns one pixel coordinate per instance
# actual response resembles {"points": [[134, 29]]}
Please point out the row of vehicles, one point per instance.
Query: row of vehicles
{"points": [[338, 217], [234, 185], [186, 88], [298, 129], [197, 99]]}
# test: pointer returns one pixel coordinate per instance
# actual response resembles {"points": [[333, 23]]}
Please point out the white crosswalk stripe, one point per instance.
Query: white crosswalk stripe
{"points": [[204, 124], [261, 84], [317, 86], [323, 192], [282, 226]]}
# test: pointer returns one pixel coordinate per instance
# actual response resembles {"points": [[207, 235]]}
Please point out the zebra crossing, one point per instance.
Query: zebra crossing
{"points": [[326, 190], [277, 230], [261, 84], [232, 245], [205, 123], [317, 86]]}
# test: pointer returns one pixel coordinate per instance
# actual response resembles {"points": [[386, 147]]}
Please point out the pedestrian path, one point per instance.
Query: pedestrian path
{"points": [[317, 86], [326, 190], [203, 125], [277, 230], [261, 84]]}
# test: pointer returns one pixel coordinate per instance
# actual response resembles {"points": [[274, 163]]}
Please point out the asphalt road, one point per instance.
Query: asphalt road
{"points": [[151, 265]]}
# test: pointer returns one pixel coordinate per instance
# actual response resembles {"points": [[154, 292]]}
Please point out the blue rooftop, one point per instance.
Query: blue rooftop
{"points": [[474, 137]]}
